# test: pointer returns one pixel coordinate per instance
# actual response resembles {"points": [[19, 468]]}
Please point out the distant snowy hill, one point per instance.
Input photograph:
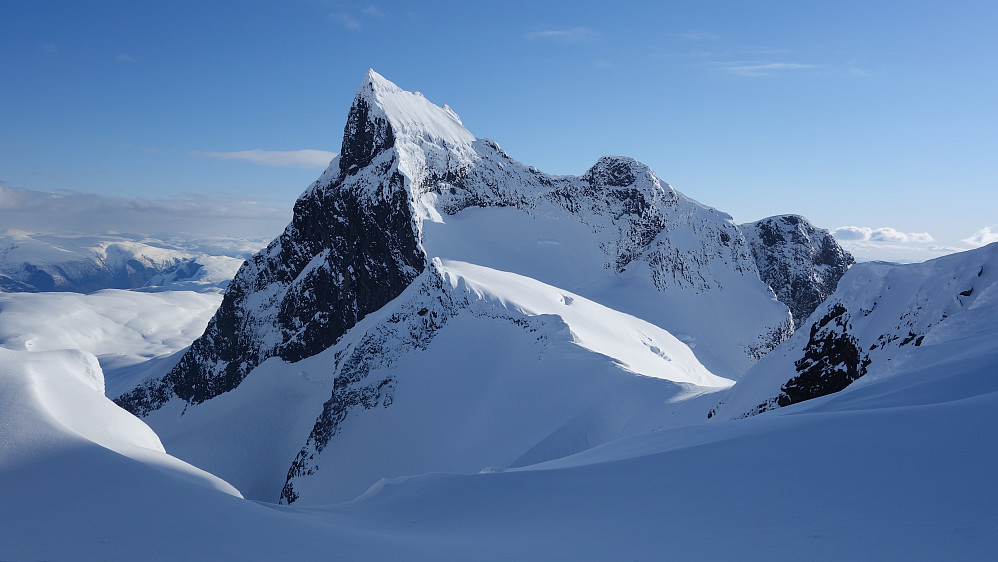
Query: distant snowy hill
{"points": [[84, 264], [882, 319], [426, 258]]}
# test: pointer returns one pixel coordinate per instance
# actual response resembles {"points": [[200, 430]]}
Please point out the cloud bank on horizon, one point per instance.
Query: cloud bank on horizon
{"points": [[886, 243], [87, 213], [305, 159], [74, 213]]}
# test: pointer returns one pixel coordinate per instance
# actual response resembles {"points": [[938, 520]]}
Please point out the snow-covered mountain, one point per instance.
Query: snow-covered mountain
{"points": [[494, 363], [84, 264], [801, 263], [895, 466], [882, 319], [454, 309]]}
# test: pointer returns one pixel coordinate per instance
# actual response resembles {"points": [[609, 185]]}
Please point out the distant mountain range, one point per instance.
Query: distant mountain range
{"points": [[84, 264]]}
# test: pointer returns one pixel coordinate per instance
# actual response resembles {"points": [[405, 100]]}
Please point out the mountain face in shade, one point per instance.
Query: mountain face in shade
{"points": [[433, 297], [801, 263], [883, 318]]}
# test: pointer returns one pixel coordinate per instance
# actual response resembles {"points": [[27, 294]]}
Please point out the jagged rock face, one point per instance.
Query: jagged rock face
{"points": [[630, 196], [345, 255], [832, 360], [364, 137], [880, 320], [378, 351], [801, 263], [356, 238]]}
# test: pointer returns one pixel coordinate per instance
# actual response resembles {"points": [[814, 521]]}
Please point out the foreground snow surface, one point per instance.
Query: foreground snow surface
{"points": [[521, 372], [898, 468]]}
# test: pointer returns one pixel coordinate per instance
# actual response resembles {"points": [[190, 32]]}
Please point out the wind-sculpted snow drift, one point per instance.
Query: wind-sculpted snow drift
{"points": [[399, 289]]}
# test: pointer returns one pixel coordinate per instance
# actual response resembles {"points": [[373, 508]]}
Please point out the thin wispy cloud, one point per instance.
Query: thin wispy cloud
{"points": [[302, 159], [346, 20], [565, 35], [73, 213], [754, 61], [982, 237], [698, 36], [124, 59], [49, 48], [353, 17], [763, 68]]}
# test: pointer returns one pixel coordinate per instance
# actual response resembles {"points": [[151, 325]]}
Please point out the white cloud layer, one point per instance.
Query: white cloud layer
{"points": [[882, 234], [304, 159], [889, 244], [88, 213], [982, 237]]}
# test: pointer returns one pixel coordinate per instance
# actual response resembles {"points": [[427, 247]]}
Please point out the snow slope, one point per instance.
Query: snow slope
{"points": [[129, 332], [883, 319], [592, 326], [469, 368], [896, 468], [53, 407]]}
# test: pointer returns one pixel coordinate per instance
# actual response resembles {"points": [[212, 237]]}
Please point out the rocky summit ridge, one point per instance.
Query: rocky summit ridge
{"points": [[419, 225]]}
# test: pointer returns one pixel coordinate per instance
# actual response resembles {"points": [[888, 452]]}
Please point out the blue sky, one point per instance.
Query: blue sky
{"points": [[879, 116]]}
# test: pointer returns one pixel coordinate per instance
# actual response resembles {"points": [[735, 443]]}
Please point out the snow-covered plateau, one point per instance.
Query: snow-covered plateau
{"points": [[31, 262], [449, 355]]}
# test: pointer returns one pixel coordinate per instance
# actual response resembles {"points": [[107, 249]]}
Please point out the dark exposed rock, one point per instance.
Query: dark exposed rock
{"points": [[11, 285], [832, 360], [345, 255], [364, 137], [801, 263], [611, 171], [355, 387], [624, 190]]}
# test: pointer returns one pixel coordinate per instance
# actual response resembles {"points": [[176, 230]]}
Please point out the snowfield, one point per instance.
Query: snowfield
{"points": [[897, 468], [638, 346], [128, 331]]}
